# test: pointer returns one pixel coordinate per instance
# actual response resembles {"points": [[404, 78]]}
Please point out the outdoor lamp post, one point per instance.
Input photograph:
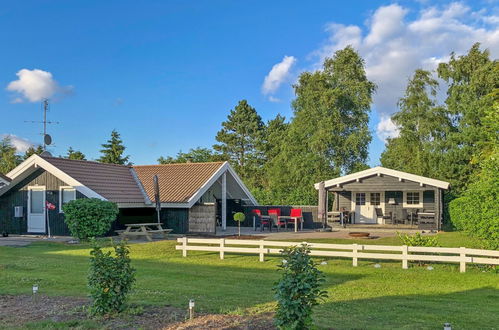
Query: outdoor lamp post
{"points": [[191, 308]]}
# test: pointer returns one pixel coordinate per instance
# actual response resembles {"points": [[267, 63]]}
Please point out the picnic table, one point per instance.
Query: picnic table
{"points": [[144, 229]]}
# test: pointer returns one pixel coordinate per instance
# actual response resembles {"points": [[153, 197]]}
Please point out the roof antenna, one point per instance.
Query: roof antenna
{"points": [[47, 139]]}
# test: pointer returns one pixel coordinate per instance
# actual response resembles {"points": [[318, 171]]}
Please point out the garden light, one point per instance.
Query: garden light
{"points": [[35, 289], [447, 326], [191, 308]]}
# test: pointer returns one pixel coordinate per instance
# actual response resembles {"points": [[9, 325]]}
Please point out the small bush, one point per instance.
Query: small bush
{"points": [[298, 290], [239, 217], [110, 279], [418, 240], [89, 217]]}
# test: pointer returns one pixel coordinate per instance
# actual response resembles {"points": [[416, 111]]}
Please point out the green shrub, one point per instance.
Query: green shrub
{"points": [[418, 240], [89, 217], [477, 211], [110, 279], [298, 290]]}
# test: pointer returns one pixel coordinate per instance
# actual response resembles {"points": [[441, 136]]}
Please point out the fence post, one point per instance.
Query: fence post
{"points": [[222, 246], [404, 256], [462, 262], [184, 246], [262, 257], [355, 251]]}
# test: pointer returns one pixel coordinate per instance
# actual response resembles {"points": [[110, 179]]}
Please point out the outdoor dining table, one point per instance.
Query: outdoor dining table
{"points": [[287, 217], [145, 229]]}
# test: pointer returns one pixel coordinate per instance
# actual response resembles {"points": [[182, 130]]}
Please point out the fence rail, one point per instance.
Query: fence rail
{"points": [[404, 253]]}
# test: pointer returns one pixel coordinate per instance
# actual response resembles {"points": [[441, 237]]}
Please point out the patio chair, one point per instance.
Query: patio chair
{"points": [[384, 218], [263, 220], [295, 215], [274, 215]]}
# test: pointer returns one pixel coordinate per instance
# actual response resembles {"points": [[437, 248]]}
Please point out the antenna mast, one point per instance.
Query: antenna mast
{"points": [[47, 139]]}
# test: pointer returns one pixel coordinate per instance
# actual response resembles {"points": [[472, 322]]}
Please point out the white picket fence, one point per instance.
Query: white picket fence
{"points": [[404, 253]]}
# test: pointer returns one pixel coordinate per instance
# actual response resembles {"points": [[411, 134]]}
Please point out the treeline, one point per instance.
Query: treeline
{"points": [[112, 152], [327, 136]]}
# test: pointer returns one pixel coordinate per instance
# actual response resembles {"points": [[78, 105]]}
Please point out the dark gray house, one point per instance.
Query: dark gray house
{"points": [[382, 196], [195, 197]]}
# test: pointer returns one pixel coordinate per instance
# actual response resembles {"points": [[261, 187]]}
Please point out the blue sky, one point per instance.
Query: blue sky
{"points": [[166, 73]]}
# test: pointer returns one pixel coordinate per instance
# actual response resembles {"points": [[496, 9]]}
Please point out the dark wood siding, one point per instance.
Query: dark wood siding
{"points": [[176, 219], [18, 196]]}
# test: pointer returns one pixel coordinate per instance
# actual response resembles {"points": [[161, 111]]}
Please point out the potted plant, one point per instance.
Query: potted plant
{"points": [[239, 217]]}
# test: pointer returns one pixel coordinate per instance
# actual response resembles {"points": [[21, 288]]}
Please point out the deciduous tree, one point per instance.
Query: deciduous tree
{"points": [[329, 133], [8, 156]]}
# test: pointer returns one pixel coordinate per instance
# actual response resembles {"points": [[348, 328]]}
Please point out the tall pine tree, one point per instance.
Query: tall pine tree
{"points": [[113, 150], [241, 141], [75, 154]]}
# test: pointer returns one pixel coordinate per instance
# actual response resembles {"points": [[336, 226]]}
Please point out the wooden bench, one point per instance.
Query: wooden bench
{"points": [[144, 229]]}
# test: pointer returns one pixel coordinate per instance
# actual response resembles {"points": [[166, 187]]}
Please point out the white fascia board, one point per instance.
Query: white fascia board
{"points": [[176, 205], [194, 198], [385, 171], [241, 184], [223, 168], [37, 161]]}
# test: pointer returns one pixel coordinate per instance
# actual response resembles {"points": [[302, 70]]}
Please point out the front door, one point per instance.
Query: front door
{"points": [[36, 209], [364, 212]]}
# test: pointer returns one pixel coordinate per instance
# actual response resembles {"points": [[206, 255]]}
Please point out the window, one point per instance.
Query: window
{"points": [[413, 198], [66, 194], [375, 199], [360, 199]]}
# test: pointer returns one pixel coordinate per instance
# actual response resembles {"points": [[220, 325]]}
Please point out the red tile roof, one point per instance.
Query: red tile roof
{"points": [[177, 182]]}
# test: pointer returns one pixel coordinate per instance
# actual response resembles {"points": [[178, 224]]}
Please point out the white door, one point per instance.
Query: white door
{"points": [[364, 212], [36, 209]]}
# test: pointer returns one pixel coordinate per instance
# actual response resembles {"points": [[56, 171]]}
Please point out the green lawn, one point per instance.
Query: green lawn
{"points": [[361, 297]]}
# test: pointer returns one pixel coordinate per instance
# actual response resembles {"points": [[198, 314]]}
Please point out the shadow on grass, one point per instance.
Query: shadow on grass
{"points": [[229, 285], [470, 309]]}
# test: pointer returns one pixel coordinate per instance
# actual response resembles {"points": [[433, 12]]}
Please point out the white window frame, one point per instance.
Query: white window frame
{"points": [[406, 205], [61, 188]]}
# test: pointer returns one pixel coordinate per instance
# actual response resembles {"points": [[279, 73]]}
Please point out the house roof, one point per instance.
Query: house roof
{"points": [[181, 185], [4, 178], [178, 182], [378, 170], [115, 183]]}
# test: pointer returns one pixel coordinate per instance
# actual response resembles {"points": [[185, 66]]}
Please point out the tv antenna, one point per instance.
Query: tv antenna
{"points": [[47, 139]]}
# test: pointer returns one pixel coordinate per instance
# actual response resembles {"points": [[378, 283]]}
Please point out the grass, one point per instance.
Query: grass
{"points": [[361, 297]]}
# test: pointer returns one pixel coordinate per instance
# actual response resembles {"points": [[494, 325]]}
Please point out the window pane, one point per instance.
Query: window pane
{"points": [[375, 198], [68, 195], [412, 198], [36, 201], [360, 199]]}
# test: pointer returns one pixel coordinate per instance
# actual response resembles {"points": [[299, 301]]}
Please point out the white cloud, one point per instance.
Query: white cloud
{"points": [[35, 85], [19, 143], [394, 45], [279, 73], [386, 129]]}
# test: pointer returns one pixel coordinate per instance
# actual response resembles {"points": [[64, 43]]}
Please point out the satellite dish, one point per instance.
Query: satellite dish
{"points": [[46, 154], [47, 139]]}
